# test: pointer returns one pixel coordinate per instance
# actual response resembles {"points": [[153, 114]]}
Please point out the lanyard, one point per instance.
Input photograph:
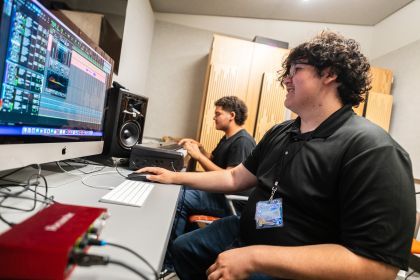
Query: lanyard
{"points": [[281, 165], [273, 190]]}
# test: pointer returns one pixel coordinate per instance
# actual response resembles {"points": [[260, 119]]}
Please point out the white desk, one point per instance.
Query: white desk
{"points": [[145, 230]]}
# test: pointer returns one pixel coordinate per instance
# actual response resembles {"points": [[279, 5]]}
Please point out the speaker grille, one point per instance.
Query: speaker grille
{"points": [[129, 134]]}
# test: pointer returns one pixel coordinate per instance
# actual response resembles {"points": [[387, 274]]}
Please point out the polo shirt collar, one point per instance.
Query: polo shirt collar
{"points": [[327, 127]]}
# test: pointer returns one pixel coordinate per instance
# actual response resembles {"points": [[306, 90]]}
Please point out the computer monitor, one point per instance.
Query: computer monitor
{"points": [[53, 88]]}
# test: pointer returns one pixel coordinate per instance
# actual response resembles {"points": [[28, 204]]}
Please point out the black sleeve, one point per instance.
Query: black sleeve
{"points": [[239, 151], [377, 204]]}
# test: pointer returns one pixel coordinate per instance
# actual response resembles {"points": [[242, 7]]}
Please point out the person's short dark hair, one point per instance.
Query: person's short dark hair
{"points": [[234, 104], [343, 56]]}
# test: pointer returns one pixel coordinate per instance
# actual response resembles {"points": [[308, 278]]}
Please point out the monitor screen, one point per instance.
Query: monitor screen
{"points": [[53, 85]]}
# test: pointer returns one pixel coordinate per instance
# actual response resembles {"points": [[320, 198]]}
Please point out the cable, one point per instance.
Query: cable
{"points": [[18, 194], [10, 224], [116, 168], [173, 167], [95, 168], [81, 173], [408, 275], [10, 173], [83, 259], [97, 174], [97, 242]]}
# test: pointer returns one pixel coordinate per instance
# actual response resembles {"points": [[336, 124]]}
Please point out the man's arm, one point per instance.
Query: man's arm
{"points": [[325, 261], [203, 151], [224, 181], [195, 152]]}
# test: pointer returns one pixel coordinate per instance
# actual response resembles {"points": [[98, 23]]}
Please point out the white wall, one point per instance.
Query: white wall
{"points": [[405, 120], [398, 30], [136, 45], [293, 32], [176, 78]]}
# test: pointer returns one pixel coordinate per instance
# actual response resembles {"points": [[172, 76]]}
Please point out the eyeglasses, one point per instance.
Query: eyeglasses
{"points": [[294, 68]]}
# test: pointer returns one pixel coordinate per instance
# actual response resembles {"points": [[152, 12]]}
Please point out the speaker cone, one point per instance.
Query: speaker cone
{"points": [[129, 134]]}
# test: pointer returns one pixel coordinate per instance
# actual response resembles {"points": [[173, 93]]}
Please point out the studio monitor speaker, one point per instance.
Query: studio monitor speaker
{"points": [[124, 122]]}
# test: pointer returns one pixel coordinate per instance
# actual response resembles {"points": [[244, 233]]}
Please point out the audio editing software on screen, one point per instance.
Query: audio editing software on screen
{"points": [[50, 78]]}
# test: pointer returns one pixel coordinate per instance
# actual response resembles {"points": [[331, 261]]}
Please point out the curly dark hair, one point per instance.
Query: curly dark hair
{"points": [[342, 56], [234, 104]]}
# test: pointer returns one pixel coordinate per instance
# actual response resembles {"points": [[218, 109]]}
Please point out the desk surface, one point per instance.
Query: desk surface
{"points": [[145, 230]]}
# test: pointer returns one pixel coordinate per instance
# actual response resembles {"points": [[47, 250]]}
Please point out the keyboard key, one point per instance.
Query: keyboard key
{"points": [[131, 193]]}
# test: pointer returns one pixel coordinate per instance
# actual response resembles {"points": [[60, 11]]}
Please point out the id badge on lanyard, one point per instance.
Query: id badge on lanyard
{"points": [[269, 213]]}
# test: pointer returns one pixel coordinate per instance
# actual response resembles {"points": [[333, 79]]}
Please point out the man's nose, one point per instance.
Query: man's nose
{"points": [[288, 80]]}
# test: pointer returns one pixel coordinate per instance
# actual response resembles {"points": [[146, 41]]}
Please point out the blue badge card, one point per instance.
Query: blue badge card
{"points": [[269, 214]]}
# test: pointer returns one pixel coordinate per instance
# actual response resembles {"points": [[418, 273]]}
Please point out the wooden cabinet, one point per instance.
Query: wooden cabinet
{"points": [[378, 102], [241, 68]]}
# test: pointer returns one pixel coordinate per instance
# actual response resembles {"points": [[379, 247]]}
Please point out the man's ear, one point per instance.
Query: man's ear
{"points": [[232, 115], [328, 76]]}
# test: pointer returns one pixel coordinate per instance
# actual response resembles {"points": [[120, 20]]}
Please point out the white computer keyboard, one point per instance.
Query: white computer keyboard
{"points": [[131, 193]]}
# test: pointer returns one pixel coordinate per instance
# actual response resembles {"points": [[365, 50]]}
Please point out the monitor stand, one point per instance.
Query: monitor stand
{"points": [[107, 160]]}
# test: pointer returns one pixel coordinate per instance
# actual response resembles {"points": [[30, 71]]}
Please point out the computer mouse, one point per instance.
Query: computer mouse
{"points": [[138, 177]]}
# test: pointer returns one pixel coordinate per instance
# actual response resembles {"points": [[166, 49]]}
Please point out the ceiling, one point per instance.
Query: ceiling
{"points": [[114, 7], [357, 12]]}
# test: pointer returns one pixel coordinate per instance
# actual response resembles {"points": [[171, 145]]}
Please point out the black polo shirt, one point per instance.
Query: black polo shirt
{"points": [[232, 151], [348, 182]]}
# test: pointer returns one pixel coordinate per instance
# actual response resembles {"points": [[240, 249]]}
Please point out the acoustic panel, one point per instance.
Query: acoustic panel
{"points": [[223, 81], [382, 80], [378, 109], [271, 110]]}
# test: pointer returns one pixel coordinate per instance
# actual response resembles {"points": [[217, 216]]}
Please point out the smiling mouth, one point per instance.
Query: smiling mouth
{"points": [[290, 90]]}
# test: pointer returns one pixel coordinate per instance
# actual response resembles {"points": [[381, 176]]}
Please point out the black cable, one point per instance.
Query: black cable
{"points": [[408, 275], [10, 224], [17, 194], [116, 168], [77, 169], [10, 173], [84, 161], [102, 243]]}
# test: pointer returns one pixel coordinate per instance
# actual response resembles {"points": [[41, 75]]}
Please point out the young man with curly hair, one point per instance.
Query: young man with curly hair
{"points": [[335, 193]]}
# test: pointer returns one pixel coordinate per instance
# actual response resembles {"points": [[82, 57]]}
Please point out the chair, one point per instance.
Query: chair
{"points": [[203, 220], [414, 261]]}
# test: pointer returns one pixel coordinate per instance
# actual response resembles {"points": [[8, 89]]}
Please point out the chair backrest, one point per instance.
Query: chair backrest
{"points": [[230, 198], [203, 220]]}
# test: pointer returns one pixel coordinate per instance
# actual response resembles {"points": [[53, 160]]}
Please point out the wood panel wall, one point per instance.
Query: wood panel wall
{"points": [[271, 109], [223, 81], [378, 109], [251, 61]]}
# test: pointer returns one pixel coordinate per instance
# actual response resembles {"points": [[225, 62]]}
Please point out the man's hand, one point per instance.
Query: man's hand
{"points": [[159, 175], [185, 141], [232, 264], [193, 150]]}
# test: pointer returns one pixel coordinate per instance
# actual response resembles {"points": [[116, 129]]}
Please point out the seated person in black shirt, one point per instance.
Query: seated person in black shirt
{"points": [[335, 193], [233, 148]]}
